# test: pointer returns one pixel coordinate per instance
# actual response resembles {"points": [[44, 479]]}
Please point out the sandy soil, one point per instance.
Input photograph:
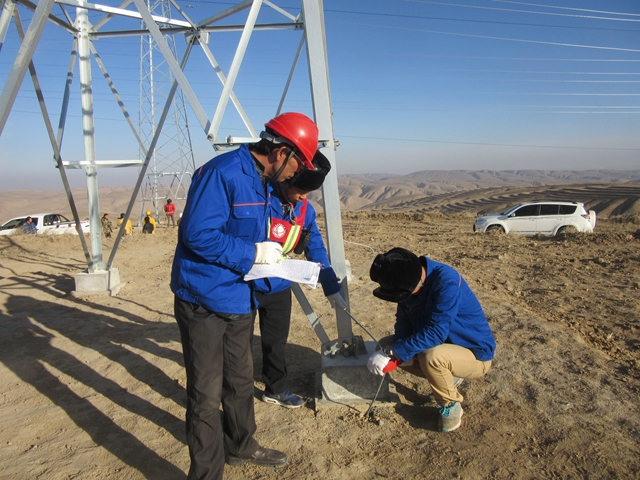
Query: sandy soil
{"points": [[93, 387]]}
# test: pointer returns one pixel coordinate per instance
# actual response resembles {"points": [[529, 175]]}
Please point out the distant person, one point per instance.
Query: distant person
{"points": [[169, 210], [292, 224], [28, 227], [128, 229], [148, 226], [106, 226], [151, 220], [441, 332]]}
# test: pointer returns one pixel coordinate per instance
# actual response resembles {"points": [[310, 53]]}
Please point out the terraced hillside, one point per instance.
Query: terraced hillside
{"points": [[607, 200], [609, 192]]}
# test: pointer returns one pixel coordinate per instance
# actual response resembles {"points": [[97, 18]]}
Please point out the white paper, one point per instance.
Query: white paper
{"points": [[299, 271]]}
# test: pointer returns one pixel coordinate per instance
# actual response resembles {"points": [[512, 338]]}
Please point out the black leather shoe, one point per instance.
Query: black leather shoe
{"points": [[262, 456]]}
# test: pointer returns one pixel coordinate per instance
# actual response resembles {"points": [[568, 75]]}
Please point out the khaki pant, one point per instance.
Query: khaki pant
{"points": [[440, 364]]}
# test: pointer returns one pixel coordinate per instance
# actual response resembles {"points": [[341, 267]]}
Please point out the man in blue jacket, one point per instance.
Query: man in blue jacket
{"points": [[222, 233], [293, 224], [439, 323]]}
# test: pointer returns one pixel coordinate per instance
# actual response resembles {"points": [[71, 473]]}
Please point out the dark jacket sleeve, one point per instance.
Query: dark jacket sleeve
{"points": [[316, 252]]}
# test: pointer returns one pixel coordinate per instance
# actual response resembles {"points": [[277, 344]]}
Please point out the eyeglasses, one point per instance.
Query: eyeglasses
{"points": [[301, 164]]}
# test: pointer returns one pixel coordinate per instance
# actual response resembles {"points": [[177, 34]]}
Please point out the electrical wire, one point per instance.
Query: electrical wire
{"points": [[375, 397], [365, 246]]}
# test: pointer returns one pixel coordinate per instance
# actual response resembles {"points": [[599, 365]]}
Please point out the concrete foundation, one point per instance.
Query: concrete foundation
{"points": [[347, 381], [104, 282]]}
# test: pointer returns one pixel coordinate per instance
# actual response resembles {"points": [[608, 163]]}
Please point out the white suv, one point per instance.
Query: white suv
{"points": [[546, 217]]}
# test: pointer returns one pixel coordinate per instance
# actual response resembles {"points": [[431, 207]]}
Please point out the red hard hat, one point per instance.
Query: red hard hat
{"points": [[298, 130]]}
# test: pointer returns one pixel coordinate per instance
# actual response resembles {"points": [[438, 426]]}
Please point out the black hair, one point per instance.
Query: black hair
{"points": [[265, 147]]}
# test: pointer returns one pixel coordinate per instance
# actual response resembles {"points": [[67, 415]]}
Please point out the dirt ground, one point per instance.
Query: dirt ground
{"points": [[93, 387]]}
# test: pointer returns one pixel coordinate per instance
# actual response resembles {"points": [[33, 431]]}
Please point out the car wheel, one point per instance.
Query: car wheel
{"points": [[495, 229], [567, 229]]}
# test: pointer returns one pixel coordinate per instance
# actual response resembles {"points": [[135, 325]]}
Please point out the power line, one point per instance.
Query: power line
{"points": [[485, 22], [489, 37], [479, 7], [414, 140], [567, 8]]}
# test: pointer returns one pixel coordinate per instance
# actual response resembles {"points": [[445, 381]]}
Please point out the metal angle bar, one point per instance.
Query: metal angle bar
{"points": [[256, 27], [311, 315], [179, 30], [88, 136], [32, 6], [223, 79], [98, 25], [321, 98], [152, 146], [67, 92], [280, 10], [8, 8], [107, 77], [103, 163], [121, 12], [25, 53], [212, 134], [139, 32], [225, 13], [54, 144], [183, 13], [231, 140], [173, 65], [293, 69], [66, 14]]}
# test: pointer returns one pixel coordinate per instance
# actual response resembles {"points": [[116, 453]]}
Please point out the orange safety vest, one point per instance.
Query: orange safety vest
{"points": [[285, 232]]}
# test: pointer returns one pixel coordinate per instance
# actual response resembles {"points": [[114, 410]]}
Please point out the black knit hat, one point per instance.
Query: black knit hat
{"points": [[398, 272], [310, 180]]}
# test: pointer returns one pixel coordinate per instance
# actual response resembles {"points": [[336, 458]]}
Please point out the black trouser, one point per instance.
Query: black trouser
{"points": [[274, 312], [217, 358]]}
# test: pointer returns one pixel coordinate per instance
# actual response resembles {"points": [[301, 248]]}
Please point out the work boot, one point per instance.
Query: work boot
{"points": [[285, 399], [265, 457], [450, 417]]}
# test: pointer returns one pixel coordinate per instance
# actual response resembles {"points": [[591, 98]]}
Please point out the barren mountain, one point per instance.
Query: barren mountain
{"points": [[608, 192]]}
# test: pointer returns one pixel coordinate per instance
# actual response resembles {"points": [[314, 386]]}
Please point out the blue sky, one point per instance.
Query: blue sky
{"points": [[416, 85]]}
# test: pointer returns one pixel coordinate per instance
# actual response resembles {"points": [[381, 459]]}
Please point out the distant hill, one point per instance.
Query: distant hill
{"points": [[383, 192], [608, 192]]}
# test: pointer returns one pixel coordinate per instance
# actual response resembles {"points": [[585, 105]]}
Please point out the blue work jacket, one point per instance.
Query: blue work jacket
{"points": [[445, 310], [225, 215], [315, 251]]}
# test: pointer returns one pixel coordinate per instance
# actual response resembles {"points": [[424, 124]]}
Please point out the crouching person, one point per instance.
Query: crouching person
{"points": [[441, 332]]}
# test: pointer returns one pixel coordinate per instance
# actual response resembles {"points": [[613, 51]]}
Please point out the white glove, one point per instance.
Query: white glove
{"points": [[268, 252], [336, 301], [377, 362]]}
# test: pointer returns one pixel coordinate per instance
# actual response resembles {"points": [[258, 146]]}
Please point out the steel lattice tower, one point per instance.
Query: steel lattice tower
{"points": [[172, 161]]}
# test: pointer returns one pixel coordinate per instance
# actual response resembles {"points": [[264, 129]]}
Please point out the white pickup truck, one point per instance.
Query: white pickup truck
{"points": [[46, 224]]}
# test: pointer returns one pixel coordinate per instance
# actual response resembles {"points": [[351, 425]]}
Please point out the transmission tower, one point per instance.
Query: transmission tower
{"points": [[172, 161]]}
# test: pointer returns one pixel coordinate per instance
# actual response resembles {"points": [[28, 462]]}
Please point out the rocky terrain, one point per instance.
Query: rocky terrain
{"points": [[92, 387]]}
